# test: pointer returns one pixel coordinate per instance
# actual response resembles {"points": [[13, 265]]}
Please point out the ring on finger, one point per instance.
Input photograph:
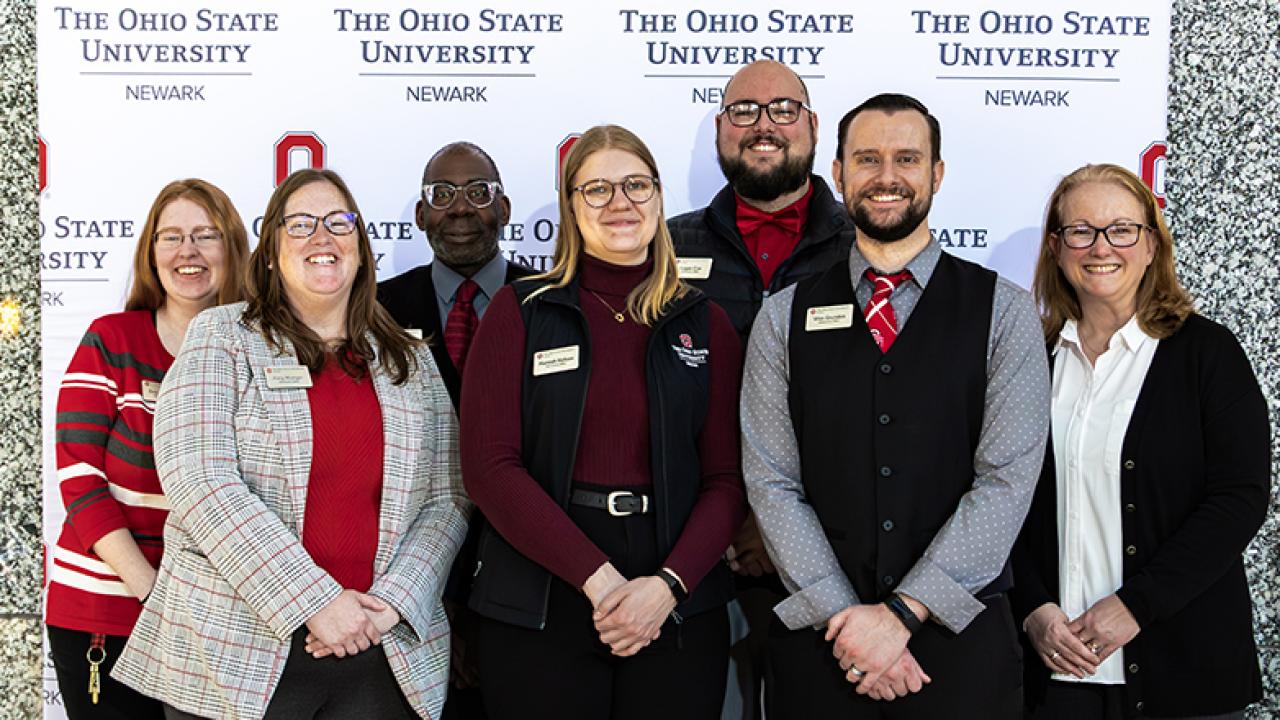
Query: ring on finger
{"points": [[1055, 655], [854, 671], [1095, 647]]}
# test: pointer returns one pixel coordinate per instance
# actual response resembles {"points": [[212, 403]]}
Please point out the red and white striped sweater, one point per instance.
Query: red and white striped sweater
{"points": [[106, 471]]}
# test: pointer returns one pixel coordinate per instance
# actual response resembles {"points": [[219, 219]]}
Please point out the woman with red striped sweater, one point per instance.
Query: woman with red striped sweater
{"points": [[188, 257]]}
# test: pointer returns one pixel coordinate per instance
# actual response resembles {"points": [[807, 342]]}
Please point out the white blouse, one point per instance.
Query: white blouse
{"points": [[1092, 405]]}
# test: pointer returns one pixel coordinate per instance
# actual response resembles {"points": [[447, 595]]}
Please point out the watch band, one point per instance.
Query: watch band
{"points": [[903, 611], [677, 590]]}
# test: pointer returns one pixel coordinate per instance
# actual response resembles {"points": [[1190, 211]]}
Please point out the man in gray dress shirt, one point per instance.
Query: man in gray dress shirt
{"points": [[920, 424]]}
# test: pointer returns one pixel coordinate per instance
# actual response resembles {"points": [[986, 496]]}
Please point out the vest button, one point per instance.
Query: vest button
{"points": [[886, 368], [1131, 550], [887, 525], [1133, 668], [1130, 507], [884, 419], [885, 471], [887, 580], [1129, 465]]}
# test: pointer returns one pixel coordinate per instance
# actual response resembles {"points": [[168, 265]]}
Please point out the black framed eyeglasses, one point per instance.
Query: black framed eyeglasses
{"points": [[304, 225], [1119, 234], [202, 237], [480, 194], [745, 113], [598, 193]]}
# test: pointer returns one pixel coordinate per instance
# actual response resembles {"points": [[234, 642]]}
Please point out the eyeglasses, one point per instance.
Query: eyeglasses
{"points": [[745, 113], [304, 225], [479, 194], [1084, 235], [598, 193], [201, 237]]}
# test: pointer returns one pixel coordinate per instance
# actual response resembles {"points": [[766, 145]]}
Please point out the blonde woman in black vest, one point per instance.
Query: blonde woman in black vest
{"points": [[600, 438]]}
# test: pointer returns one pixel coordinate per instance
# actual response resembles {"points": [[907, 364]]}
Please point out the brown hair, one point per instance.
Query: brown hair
{"points": [[646, 301], [268, 305], [146, 292], [1162, 302]]}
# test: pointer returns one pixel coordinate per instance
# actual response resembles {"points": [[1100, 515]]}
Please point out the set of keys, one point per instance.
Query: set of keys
{"points": [[96, 654]]}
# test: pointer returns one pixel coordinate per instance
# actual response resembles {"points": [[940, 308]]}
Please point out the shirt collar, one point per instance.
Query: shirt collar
{"points": [[491, 277], [921, 266], [1131, 336]]}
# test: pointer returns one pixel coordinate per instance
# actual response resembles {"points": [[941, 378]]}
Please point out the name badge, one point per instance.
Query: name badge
{"points": [[415, 333], [287, 377], [693, 268], [828, 317], [150, 390], [555, 360]]}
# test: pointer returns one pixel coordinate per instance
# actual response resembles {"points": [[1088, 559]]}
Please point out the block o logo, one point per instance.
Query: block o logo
{"points": [[292, 144], [561, 151], [1153, 164], [42, 165]]}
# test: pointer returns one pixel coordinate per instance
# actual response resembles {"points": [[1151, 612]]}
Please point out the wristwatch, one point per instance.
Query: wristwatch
{"points": [[677, 590], [899, 607]]}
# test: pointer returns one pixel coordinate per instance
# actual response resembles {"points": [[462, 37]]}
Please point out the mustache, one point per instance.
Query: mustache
{"points": [[766, 136]]}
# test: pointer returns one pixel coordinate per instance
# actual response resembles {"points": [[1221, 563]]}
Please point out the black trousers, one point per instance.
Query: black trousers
{"points": [[116, 701], [976, 674], [564, 672], [355, 687], [1073, 700]]}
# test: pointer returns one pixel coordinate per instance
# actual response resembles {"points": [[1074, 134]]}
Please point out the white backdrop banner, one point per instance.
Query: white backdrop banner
{"points": [[135, 94]]}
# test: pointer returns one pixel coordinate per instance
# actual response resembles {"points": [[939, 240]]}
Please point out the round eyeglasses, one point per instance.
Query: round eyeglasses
{"points": [[201, 237], [1083, 235], [480, 194], [304, 225], [598, 193], [745, 113]]}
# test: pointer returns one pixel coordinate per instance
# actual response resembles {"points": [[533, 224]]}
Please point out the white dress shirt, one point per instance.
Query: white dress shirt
{"points": [[1092, 405]]}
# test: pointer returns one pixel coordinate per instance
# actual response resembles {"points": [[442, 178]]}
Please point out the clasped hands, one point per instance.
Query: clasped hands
{"points": [[1077, 647], [351, 623], [870, 645], [628, 614]]}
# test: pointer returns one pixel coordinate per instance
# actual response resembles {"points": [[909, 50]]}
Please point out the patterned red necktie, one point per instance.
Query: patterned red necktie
{"points": [[879, 313], [461, 323]]}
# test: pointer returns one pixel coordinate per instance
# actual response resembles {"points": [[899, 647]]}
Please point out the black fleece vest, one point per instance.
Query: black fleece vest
{"points": [[510, 587], [887, 440]]}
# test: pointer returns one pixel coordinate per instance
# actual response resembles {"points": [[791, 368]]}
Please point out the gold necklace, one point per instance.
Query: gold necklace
{"points": [[616, 315]]}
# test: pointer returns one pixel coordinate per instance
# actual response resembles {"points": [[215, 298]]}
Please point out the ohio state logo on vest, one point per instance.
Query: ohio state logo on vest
{"points": [[688, 354]]}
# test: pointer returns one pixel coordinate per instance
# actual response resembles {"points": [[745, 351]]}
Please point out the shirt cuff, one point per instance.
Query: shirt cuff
{"points": [[814, 605], [947, 600]]}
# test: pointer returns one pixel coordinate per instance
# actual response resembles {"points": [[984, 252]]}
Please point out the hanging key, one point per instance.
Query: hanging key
{"points": [[96, 654]]}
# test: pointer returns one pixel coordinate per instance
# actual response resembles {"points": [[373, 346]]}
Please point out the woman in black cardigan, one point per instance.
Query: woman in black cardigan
{"points": [[1129, 582]]}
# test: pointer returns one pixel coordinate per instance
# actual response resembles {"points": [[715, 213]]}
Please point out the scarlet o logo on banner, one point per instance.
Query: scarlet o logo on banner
{"points": [[42, 165], [561, 151], [304, 141], [1153, 165]]}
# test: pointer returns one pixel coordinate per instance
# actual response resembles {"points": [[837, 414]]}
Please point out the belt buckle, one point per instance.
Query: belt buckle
{"points": [[611, 503]]}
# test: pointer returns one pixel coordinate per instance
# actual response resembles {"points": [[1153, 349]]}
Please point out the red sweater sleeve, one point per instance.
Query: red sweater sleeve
{"points": [[492, 468], [721, 507]]}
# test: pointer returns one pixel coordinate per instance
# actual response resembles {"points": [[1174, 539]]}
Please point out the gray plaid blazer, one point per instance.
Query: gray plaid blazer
{"points": [[235, 582]]}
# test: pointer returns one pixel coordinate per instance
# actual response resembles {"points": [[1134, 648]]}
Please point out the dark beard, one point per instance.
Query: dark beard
{"points": [[912, 219], [786, 177]]}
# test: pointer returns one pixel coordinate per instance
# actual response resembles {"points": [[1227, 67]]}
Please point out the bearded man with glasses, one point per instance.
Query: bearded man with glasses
{"points": [[773, 224], [462, 209]]}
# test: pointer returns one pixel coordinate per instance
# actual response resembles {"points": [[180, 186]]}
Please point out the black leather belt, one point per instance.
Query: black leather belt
{"points": [[619, 503]]}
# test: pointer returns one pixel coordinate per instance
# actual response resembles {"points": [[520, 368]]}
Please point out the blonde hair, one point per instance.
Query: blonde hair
{"points": [[1162, 303], [663, 285], [146, 292]]}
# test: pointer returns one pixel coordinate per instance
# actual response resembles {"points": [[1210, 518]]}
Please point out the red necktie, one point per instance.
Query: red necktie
{"points": [[461, 324], [879, 313]]}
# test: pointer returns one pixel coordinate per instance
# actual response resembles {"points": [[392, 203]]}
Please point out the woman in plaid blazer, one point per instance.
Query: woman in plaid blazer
{"points": [[308, 449]]}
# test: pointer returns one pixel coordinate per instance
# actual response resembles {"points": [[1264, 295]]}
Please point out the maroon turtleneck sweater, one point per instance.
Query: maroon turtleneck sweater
{"points": [[613, 449]]}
